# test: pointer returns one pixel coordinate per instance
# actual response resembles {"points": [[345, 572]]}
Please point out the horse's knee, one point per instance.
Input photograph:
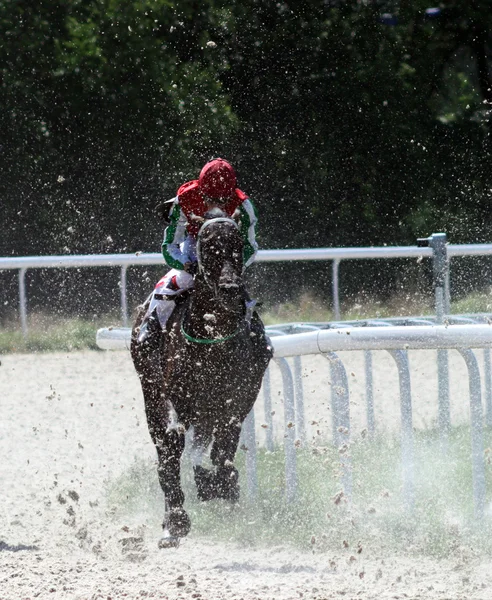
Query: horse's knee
{"points": [[170, 443]]}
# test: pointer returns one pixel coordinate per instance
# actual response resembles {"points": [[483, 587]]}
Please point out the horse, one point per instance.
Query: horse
{"points": [[205, 373]]}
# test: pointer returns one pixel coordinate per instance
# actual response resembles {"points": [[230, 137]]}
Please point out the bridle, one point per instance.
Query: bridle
{"points": [[207, 341], [206, 224], [212, 285]]}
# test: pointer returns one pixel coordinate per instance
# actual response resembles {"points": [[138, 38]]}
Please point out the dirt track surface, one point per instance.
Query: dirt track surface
{"points": [[69, 422]]}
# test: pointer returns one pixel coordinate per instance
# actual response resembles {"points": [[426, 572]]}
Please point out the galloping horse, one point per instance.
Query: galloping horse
{"points": [[207, 372]]}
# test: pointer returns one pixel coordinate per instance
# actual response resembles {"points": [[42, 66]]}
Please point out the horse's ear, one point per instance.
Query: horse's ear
{"points": [[236, 215], [196, 218], [215, 213]]}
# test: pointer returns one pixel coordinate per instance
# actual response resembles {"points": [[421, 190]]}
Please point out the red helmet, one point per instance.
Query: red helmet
{"points": [[217, 179]]}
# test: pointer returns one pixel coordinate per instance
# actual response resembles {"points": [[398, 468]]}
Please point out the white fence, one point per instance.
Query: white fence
{"points": [[434, 247], [395, 339]]}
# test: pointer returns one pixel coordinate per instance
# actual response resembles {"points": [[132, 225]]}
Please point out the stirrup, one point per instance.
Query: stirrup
{"points": [[150, 331], [250, 309]]}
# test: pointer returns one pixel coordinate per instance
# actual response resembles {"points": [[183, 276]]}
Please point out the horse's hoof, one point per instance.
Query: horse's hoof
{"points": [[168, 541], [232, 494], [177, 523], [222, 483], [205, 484], [227, 484]]}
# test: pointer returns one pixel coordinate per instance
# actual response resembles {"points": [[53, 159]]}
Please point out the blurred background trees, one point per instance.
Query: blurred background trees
{"points": [[351, 123]]}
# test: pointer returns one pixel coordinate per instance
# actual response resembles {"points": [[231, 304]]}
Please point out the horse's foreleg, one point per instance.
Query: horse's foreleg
{"points": [[169, 451], [226, 440], [204, 478], [168, 438], [224, 448]]}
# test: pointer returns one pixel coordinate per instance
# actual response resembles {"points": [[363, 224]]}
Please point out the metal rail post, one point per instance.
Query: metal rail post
{"points": [[440, 265], [488, 386], [371, 420], [476, 418], [267, 403], [290, 430], [340, 407], [407, 451], [251, 458], [22, 300], [336, 289], [299, 394], [441, 279], [124, 305]]}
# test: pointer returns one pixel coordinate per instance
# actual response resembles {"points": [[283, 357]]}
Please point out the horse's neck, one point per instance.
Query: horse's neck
{"points": [[207, 318]]}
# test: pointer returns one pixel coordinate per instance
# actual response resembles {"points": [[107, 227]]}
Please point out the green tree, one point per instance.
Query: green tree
{"points": [[348, 126], [103, 111]]}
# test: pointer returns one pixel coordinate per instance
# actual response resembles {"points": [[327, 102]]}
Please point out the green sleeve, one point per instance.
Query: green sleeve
{"points": [[170, 246], [248, 231]]}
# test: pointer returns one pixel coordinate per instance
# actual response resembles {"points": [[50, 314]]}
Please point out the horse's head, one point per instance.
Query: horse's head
{"points": [[220, 256]]}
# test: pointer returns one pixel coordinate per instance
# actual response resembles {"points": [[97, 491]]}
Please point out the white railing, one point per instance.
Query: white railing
{"points": [[396, 340], [440, 254]]}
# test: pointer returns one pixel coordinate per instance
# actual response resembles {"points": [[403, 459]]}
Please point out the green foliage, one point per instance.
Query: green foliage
{"points": [[46, 335], [346, 130], [476, 302]]}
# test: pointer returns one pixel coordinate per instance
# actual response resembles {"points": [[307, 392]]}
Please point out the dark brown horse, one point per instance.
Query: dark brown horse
{"points": [[206, 373]]}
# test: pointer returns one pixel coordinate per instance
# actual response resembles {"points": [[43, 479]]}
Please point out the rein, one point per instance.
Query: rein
{"points": [[209, 341]]}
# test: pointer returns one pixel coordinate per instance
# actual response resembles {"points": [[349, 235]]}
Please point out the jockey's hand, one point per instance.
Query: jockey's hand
{"points": [[161, 211], [191, 267]]}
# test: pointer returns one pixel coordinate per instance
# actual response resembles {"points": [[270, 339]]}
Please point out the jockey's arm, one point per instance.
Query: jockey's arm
{"points": [[174, 235], [248, 231]]}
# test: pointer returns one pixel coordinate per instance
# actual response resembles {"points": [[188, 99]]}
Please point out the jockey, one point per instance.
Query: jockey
{"points": [[216, 186]]}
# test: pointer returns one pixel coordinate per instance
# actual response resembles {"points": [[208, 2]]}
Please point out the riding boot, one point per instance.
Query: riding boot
{"points": [[150, 332], [154, 323]]}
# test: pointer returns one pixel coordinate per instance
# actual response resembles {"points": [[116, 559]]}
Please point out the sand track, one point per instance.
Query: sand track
{"points": [[71, 421]]}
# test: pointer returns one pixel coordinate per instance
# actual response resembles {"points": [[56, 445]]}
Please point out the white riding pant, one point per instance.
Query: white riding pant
{"points": [[173, 283]]}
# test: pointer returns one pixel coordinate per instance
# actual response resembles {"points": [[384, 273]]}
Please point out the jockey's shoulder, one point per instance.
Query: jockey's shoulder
{"points": [[241, 195], [189, 195], [187, 188]]}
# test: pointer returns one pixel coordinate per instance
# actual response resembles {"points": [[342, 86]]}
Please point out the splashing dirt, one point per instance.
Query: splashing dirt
{"points": [[72, 422]]}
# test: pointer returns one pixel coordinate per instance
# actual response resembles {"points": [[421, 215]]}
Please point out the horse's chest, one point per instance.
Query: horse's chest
{"points": [[207, 372]]}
